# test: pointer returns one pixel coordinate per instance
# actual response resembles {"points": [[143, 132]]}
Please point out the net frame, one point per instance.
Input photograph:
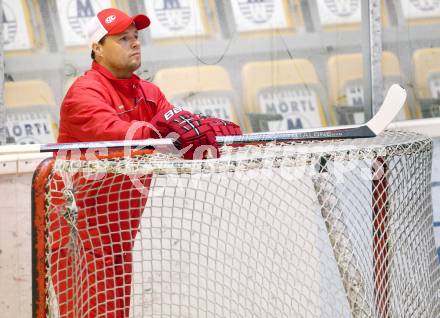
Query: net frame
{"points": [[380, 150]]}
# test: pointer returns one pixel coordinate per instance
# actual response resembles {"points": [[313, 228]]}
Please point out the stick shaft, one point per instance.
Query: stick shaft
{"points": [[358, 132], [339, 133]]}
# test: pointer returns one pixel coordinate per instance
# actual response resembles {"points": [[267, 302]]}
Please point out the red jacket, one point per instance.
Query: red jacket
{"points": [[99, 107]]}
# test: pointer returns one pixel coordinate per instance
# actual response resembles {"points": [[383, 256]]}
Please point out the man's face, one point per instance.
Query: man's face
{"points": [[121, 53]]}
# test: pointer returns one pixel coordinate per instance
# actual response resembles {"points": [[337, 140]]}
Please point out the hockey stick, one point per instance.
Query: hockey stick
{"points": [[392, 104]]}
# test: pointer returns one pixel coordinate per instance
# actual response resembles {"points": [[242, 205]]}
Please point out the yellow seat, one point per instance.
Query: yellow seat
{"points": [[28, 93], [30, 112], [345, 85], [200, 89], [287, 88], [426, 64]]}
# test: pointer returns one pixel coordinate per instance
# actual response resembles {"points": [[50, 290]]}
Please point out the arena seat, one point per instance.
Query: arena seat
{"points": [[426, 64], [30, 112], [200, 89], [178, 19], [420, 12], [345, 84], [73, 17], [289, 89], [344, 16], [18, 30], [257, 18]]}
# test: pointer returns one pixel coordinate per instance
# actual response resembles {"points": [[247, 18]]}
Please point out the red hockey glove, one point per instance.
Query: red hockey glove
{"points": [[222, 127], [191, 131]]}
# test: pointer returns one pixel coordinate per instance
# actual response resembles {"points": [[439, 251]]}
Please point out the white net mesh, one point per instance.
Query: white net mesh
{"points": [[317, 229]]}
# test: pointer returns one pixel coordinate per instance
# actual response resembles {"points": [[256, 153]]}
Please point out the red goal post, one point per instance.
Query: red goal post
{"points": [[333, 228]]}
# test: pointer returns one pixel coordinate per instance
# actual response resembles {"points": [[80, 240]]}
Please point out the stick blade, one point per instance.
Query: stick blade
{"points": [[392, 104]]}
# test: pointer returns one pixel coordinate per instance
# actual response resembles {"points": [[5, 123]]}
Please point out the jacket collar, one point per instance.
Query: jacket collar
{"points": [[128, 85]]}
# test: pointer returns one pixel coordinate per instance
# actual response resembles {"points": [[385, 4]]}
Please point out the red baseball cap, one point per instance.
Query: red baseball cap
{"points": [[113, 21]]}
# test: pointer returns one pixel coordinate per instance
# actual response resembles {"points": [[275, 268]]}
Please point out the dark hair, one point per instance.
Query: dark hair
{"points": [[92, 54]]}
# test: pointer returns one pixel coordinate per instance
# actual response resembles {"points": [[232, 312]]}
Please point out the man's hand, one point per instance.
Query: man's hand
{"points": [[222, 127], [191, 130]]}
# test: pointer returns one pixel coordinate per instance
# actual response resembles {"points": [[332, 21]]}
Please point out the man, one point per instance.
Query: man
{"points": [[109, 99], [109, 102]]}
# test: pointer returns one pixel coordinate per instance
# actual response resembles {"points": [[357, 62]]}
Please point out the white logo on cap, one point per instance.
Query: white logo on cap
{"points": [[110, 19]]}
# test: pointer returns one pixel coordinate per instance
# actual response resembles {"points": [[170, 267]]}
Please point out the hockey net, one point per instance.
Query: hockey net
{"points": [[312, 229]]}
